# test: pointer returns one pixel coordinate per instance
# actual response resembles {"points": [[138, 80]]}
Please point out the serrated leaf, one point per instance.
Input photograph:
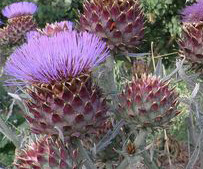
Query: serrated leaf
{"points": [[15, 96], [195, 91], [10, 134], [3, 142]]}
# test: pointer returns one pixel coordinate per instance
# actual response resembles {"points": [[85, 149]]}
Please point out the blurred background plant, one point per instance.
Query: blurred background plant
{"points": [[162, 27]]}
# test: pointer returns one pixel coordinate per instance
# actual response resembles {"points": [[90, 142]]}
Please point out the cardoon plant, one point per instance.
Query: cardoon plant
{"points": [[192, 36], [20, 19], [119, 22], [58, 70], [148, 102], [67, 110]]}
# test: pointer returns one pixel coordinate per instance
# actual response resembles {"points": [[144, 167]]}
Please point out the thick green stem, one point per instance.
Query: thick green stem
{"points": [[147, 161], [140, 143], [111, 79], [140, 139], [124, 164], [83, 156], [106, 80]]}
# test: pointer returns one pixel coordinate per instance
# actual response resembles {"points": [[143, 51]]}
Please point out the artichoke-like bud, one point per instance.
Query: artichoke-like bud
{"points": [[191, 45], [20, 20], [58, 70], [119, 22], [148, 102], [191, 42], [45, 153], [51, 29]]}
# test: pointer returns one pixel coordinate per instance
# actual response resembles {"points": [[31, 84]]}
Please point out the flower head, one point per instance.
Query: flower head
{"points": [[56, 27], [57, 70], [119, 22], [193, 13], [19, 9], [56, 58], [148, 101], [51, 29]]}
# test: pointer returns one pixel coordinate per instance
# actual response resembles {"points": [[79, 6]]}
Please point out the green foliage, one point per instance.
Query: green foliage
{"points": [[7, 155], [4, 98], [162, 26], [7, 148], [51, 11], [179, 127], [7, 151]]}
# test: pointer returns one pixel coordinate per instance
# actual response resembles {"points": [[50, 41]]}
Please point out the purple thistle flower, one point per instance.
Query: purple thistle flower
{"points": [[69, 24], [61, 24], [53, 28], [19, 9], [56, 58], [193, 13]]}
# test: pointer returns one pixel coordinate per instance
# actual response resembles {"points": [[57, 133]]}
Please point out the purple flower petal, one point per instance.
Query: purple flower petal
{"points": [[32, 35], [56, 58], [193, 13], [19, 9]]}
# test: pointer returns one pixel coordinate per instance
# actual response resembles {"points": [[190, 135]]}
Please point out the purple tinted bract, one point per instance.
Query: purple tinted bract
{"points": [[19, 9], [193, 13], [58, 27], [57, 58], [38, 33], [61, 24]]}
